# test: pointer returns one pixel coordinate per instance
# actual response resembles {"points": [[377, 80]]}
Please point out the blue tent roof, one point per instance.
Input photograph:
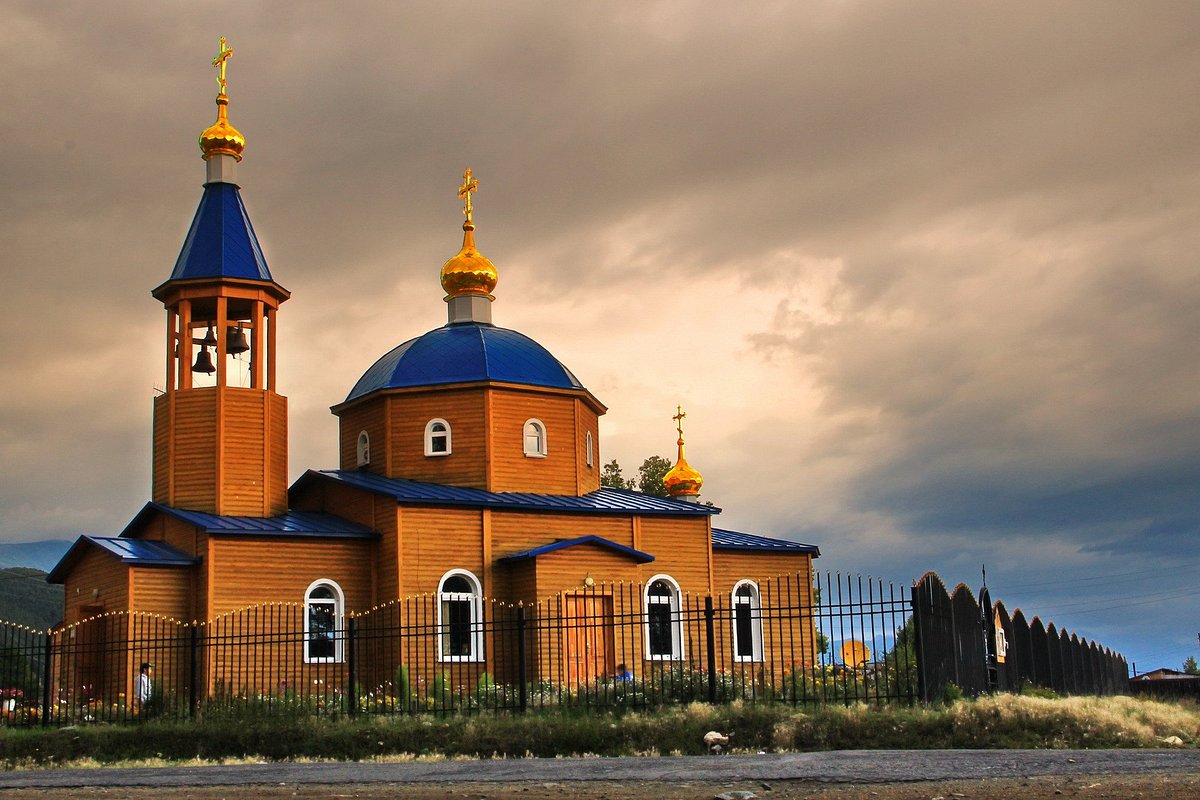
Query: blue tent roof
{"points": [[143, 552], [466, 352], [221, 242], [289, 523], [735, 540], [603, 501]]}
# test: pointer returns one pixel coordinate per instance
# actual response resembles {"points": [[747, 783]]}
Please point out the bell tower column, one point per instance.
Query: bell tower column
{"points": [[220, 426]]}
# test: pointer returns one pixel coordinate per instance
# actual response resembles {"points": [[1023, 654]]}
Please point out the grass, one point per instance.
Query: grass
{"points": [[1003, 721]]}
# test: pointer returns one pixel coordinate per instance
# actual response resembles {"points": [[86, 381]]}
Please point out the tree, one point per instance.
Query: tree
{"points": [[1190, 666], [610, 476], [650, 476]]}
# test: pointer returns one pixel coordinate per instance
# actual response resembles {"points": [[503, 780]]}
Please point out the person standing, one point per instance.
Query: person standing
{"points": [[145, 686]]}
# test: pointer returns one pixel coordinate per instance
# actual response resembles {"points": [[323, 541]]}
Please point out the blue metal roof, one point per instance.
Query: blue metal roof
{"points": [[734, 540], [636, 555], [221, 242], [290, 523], [143, 552], [466, 352], [603, 501]]}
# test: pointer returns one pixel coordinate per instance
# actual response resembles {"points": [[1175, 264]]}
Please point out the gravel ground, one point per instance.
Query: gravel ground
{"points": [[889, 775]]}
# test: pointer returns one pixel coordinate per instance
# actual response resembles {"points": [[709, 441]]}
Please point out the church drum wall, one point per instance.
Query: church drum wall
{"points": [[464, 410], [369, 417], [511, 469]]}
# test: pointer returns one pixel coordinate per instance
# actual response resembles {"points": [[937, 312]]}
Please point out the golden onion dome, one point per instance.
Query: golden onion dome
{"points": [[221, 138], [682, 480], [469, 272]]}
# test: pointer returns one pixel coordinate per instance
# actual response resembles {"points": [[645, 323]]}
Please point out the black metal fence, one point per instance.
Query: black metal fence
{"points": [[978, 647], [796, 640]]}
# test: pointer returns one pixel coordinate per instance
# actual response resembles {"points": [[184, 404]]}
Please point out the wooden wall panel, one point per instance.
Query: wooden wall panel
{"points": [[243, 459], [160, 473], [98, 579], [731, 566], [369, 417], [681, 548], [585, 421], [566, 569], [463, 409], [512, 470], [436, 540], [163, 590], [194, 460], [277, 446], [248, 570]]}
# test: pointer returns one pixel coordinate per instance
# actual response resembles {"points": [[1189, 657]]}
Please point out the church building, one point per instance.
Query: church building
{"points": [[469, 473]]}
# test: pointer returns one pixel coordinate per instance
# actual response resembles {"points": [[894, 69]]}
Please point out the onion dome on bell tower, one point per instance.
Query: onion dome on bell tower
{"points": [[469, 277], [220, 425], [681, 481]]}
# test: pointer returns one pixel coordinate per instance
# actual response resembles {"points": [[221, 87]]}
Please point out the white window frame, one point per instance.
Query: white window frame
{"points": [[756, 632], [588, 457], [339, 621], [430, 433], [363, 449], [543, 442], [673, 602], [475, 598]]}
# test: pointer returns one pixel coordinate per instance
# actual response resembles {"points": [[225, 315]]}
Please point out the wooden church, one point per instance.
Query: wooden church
{"points": [[469, 474]]}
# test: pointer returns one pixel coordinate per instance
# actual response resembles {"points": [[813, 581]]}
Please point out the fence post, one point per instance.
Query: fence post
{"points": [[522, 664], [46, 674], [918, 643], [352, 666], [709, 627], [193, 671]]}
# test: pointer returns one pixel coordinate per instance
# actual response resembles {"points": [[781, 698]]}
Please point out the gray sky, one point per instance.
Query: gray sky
{"points": [[924, 275]]}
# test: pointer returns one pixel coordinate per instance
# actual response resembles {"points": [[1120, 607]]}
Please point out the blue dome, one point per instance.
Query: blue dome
{"points": [[462, 353]]}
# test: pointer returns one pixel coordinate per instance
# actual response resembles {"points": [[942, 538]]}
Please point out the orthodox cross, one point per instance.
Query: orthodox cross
{"points": [[464, 191], [679, 415], [219, 63]]}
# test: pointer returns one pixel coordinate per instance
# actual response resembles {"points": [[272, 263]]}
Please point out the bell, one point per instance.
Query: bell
{"points": [[210, 339], [235, 341], [203, 362]]}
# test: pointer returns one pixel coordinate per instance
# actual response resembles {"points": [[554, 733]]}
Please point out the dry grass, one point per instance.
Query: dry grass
{"points": [[1004, 721]]}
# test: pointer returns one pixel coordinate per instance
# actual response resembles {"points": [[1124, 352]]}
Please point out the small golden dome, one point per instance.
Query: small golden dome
{"points": [[681, 480], [221, 138], [469, 272]]}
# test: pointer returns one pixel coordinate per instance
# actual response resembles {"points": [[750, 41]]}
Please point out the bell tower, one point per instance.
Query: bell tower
{"points": [[220, 428]]}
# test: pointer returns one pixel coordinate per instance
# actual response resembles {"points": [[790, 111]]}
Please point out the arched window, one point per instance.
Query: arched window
{"points": [[588, 456], [747, 622], [535, 438], [460, 617], [364, 449], [664, 628], [324, 614], [437, 438]]}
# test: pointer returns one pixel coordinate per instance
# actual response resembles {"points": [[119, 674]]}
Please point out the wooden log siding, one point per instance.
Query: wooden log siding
{"points": [[681, 548], [249, 570], [435, 540], [221, 450], [369, 416], [511, 469], [98, 580]]}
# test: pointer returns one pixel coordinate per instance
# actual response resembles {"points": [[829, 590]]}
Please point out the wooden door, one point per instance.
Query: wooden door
{"points": [[588, 649]]}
